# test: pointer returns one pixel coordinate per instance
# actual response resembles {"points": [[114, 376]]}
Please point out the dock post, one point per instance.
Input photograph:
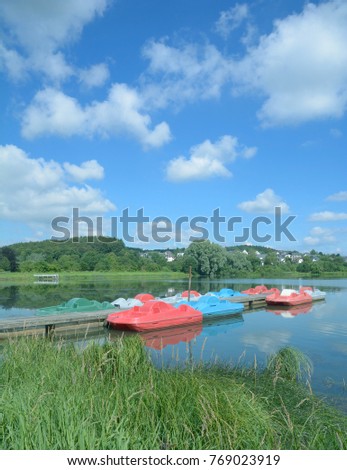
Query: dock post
{"points": [[190, 282], [49, 330]]}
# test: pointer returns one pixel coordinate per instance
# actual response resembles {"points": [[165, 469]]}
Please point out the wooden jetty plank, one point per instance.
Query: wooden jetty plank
{"points": [[249, 301], [46, 322]]}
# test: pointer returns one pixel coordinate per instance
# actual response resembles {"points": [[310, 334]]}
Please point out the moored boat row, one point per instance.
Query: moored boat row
{"points": [[145, 312], [157, 314], [291, 297]]}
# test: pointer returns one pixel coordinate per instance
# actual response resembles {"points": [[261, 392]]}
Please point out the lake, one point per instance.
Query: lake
{"points": [[320, 331]]}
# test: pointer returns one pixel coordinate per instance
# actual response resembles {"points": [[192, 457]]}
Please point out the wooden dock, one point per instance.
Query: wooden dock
{"points": [[249, 301], [48, 324]]}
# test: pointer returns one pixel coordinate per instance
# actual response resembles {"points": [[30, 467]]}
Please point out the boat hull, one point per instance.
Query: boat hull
{"points": [[289, 301], [211, 306], [154, 316], [155, 325]]}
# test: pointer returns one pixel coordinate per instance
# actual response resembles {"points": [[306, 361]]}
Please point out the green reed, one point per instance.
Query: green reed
{"points": [[56, 396]]}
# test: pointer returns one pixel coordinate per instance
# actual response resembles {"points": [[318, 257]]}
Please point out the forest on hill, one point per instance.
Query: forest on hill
{"points": [[205, 259]]}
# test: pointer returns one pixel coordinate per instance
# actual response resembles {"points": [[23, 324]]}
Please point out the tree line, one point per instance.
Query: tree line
{"points": [[205, 259]]}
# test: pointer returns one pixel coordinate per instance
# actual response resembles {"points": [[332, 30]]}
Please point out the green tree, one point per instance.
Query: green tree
{"points": [[316, 269], [10, 254], [255, 261], [209, 258], [4, 263], [271, 259], [68, 263], [305, 266], [89, 261], [239, 262]]}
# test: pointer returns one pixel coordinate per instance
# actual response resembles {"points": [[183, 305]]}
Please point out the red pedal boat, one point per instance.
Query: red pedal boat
{"points": [[260, 290], [153, 316], [289, 297], [193, 294], [144, 297]]}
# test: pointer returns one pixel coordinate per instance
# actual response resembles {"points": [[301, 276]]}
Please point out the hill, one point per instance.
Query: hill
{"points": [[207, 259]]}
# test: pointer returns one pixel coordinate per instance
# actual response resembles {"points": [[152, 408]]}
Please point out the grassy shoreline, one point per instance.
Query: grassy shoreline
{"points": [[68, 277], [17, 278], [53, 396]]}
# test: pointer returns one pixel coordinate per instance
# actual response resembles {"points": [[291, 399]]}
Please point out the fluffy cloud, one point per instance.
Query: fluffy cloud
{"points": [[301, 67], [88, 170], [264, 202], [95, 76], [208, 159], [327, 216], [53, 112], [37, 29], [340, 196], [231, 19], [177, 75], [34, 190], [321, 236]]}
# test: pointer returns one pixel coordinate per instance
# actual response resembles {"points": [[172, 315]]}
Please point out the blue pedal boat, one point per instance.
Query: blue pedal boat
{"points": [[211, 306], [224, 293]]}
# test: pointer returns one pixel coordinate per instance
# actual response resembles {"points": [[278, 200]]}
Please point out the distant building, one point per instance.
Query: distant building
{"points": [[169, 256]]}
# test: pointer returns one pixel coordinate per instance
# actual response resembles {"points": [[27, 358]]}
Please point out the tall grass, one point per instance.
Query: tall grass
{"points": [[53, 396]]}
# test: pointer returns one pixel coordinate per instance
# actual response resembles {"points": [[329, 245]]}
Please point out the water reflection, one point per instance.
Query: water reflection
{"points": [[290, 312], [160, 339]]}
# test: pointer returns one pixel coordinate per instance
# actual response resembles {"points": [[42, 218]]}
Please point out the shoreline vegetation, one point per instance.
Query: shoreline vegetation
{"points": [[203, 258], [25, 278], [56, 396], [72, 277]]}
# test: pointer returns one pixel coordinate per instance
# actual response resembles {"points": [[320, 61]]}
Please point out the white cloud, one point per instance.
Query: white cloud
{"points": [[340, 196], [90, 169], [208, 159], [267, 341], [231, 19], [336, 133], [53, 112], [320, 231], [34, 190], [35, 30], [321, 236], [327, 216], [264, 202], [312, 241], [177, 75], [12, 62], [301, 67], [95, 76]]}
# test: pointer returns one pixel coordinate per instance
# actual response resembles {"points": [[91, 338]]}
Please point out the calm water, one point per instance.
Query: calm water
{"points": [[320, 331]]}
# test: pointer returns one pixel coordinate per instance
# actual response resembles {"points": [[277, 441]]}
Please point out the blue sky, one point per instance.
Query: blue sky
{"points": [[179, 108]]}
